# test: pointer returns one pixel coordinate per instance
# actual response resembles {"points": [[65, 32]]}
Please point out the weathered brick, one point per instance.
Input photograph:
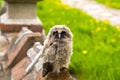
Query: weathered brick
{"points": [[17, 52], [6, 28], [31, 76], [39, 76], [17, 28], [19, 70]]}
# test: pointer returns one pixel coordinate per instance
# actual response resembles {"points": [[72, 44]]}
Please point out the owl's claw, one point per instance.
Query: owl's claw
{"points": [[47, 67]]}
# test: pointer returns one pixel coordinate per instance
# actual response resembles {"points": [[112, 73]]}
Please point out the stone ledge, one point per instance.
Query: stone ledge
{"points": [[34, 21]]}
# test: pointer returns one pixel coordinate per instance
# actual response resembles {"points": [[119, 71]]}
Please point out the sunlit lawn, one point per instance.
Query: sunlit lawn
{"points": [[96, 45], [111, 3]]}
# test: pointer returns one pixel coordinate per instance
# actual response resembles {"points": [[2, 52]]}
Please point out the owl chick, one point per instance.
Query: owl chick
{"points": [[58, 49]]}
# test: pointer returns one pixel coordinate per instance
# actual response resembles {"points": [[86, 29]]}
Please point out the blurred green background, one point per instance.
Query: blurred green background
{"points": [[0, 2], [111, 3], [96, 44]]}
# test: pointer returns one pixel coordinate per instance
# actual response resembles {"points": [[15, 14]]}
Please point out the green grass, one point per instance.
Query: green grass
{"points": [[0, 2], [111, 3], [96, 45]]}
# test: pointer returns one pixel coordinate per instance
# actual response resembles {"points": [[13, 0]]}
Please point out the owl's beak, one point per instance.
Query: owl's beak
{"points": [[59, 35]]}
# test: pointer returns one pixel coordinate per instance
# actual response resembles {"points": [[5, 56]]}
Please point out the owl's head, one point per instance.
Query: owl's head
{"points": [[60, 33]]}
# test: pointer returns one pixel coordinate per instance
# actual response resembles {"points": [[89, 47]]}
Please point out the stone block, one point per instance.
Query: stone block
{"points": [[3, 61], [32, 52], [3, 43], [5, 74], [3, 46], [21, 11]]}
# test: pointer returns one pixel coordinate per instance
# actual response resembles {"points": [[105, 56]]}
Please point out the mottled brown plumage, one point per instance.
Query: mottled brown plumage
{"points": [[58, 48]]}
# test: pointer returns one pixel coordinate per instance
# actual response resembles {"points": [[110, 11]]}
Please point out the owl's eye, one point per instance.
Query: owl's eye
{"points": [[55, 32], [63, 33]]}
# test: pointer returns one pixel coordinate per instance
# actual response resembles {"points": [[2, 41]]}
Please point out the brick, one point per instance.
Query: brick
{"points": [[19, 70], [30, 76], [39, 76], [17, 28], [16, 52], [6, 28], [3, 57], [3, 43], [32, 52]]}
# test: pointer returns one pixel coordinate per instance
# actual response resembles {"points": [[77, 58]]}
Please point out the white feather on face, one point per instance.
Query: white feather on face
{"points": [[58, 47]]}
